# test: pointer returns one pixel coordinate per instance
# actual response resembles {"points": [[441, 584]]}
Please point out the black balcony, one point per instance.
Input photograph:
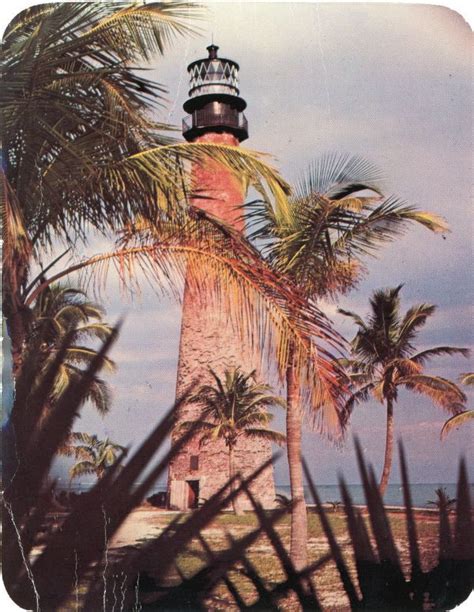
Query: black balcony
{"points": [[205, 120]]}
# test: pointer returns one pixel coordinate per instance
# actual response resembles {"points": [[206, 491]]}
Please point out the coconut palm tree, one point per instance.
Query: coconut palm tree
{"points": [[385, 360], [95, 456], [82, 153], [337, 216], [233, 407], [81, 149], [463, 417], [62, 315], [443, 500]]}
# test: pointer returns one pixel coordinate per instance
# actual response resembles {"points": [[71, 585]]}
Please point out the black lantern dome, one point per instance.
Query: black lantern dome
{"points": [[214, 104]]}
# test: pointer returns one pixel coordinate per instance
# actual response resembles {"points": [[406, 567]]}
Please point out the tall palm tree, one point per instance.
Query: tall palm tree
{"points": [[65, 315], [386, 360], [463, 417], [81, 149], [336, 217], [233, 407], [94, 456], [82, 153]]}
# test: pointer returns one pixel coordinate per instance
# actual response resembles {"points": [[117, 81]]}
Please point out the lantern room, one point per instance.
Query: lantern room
{"points": [[214, 104]]}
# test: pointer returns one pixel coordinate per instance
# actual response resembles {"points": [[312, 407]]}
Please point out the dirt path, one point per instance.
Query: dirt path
{"points": [[141, 524]]}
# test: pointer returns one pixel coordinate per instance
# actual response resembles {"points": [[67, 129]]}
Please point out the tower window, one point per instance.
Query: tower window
{"points": [[194, 462]]}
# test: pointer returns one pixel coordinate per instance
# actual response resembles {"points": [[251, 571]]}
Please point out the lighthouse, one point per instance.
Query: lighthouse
{"points": [[209, 339]]}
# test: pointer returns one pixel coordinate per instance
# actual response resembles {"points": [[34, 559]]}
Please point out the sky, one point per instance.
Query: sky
{"points": [[391, 83]]}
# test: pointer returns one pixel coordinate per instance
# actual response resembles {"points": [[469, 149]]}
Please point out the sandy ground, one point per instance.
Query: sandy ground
{"points": [[146, 523], [138, 526]]}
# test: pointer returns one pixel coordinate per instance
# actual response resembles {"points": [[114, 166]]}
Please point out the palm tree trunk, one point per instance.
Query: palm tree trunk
{"points": [[387, 466], [16, 331], [236, 505], [299, 520], [16, 315], [15, 318]]}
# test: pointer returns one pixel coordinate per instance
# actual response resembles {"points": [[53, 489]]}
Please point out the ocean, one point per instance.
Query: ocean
{"points": [[421, 493]]}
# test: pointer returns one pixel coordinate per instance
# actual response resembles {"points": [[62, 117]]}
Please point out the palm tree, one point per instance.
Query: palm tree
{"points": [[463, 417], [233, 407], [62, 315], [95, 456], [83, 154], [81, 149], [443, 500], [385, 360], [336, 217], [283, 501]]}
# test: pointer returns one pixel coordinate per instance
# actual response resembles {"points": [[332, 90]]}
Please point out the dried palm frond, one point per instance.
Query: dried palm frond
{"points": [[266, 310]]}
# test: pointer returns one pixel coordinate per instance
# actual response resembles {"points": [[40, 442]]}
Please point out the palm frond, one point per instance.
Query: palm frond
{"points": [[83, 354], [385, 306], [354, 316], [467, 379], [414, 319], [424, 356], [17, 247], [86, 108], [196, 426], [98, 331], [375, 340], [404, 366], [267, 311], [61, 312], [142, 30], [364, 234], [266, 434], [61, 382], [235, 406], [248, 166], [99, 395], [443, 392], [267, 400], [385, 357], [359, 396], [337, 175], [83, 437], [84, 453], [82, 468], [330, 224], [456, 421]]}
